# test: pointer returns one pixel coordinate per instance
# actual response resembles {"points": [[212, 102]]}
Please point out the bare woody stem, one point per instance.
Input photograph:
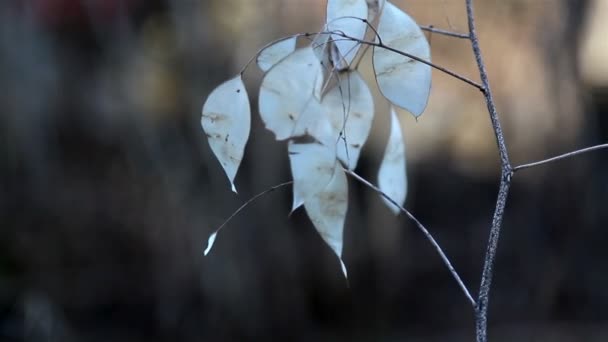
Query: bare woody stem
{"points": [[433, 29], [481, 312], [245, 205], [424, 231]]}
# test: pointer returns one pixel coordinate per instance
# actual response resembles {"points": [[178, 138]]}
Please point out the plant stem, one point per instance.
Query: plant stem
{"points": [[431, 28], [424, 231], [241, 208], [481, 312], [416, 58], [560, 157]]}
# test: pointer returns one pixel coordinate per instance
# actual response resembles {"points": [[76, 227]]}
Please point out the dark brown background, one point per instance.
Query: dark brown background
{"points": [[108, 189]]}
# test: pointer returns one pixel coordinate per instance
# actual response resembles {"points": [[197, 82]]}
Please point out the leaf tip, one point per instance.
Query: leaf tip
{"points": [[343, 269], [297, 202], [395, 209], [210, 243]]}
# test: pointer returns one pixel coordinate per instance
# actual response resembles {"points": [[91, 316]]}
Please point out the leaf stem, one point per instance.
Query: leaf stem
{"points": [[560, 157], [246, 204], [424, 231], [431, 28], [255, 56], [418, 59]]}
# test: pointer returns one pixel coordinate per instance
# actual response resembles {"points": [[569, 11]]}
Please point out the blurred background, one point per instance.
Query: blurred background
{"points": [[108, 188]]}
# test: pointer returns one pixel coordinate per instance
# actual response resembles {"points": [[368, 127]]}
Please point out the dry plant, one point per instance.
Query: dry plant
{"points": [[314, 97]]}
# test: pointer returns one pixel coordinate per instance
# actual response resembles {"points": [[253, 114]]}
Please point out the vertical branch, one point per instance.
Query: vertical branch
{"points": [[486, 90], [481, 311]]}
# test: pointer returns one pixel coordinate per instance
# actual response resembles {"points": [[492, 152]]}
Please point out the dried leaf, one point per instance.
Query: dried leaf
{"points": [[405, 82], [275, 53], [312, 168], [210, 243], [340, 15], [350, 108], [327, 211], [226, 120], [392, 177], [314, 122], [326, 51], [287, 91], [320, 47]]}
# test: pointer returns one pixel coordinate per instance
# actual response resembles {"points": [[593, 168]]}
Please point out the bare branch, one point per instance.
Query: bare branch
{"points": [[560, 157], [248, 202], [424, 231], [431, 28], [378, 44], [481, 312], [418, 59], [253, 58]]}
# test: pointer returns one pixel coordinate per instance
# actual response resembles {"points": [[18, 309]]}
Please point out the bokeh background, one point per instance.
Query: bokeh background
{"points": [[108, 189]]}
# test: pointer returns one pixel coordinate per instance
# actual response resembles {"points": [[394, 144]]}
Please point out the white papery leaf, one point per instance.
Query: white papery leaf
{"points": [[405, 82], [287, 90], [328, 54], [319, 45], [226, 120], [315, 123], [392, 177], [327, 211], [275, 53], [350, 101], [338, 13], [210, 242], [312, 168]]}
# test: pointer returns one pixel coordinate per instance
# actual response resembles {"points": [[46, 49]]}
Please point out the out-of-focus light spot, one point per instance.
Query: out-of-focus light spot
{"points": [[594, 51]]}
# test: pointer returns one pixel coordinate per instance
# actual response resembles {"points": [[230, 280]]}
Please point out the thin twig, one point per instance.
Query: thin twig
{"points": [[255, 56], [375, 44], [481, 312], [416, 58], [424, 231], [560, 157], [431, 28], [243, 206]]}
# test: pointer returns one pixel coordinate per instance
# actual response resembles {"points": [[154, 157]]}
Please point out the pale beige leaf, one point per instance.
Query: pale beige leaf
{"points": [[210, 243], [392, 177], [312, 168], [350, 108], [327, 53], [275, 53], [405, 82], [226, 120], [342, 16], [314, 122], [327, 211], [287, 91]]}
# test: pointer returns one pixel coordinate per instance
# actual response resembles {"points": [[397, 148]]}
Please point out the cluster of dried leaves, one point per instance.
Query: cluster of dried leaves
{"points": [[314, 97]]}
